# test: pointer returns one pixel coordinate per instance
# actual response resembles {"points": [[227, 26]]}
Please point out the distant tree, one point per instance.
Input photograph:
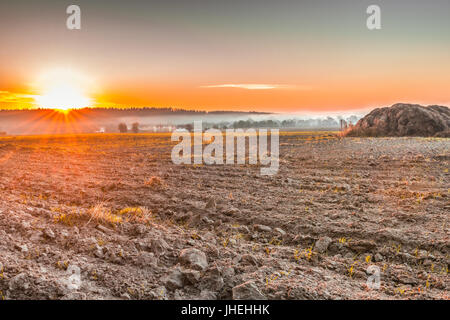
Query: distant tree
{"points": [[135, 127], [123, 128]]}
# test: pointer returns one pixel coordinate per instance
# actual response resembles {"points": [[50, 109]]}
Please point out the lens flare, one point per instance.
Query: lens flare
{"points": [[63, 90]]}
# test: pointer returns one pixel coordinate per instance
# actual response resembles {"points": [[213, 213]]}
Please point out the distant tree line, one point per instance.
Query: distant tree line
{"points": [[127, 111], [328, 122]]}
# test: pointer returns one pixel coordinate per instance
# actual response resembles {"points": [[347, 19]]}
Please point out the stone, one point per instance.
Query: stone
{"points": [[247, 291], [243, 229], [159, 293], [147, 259], [214, 280], [207, 220], [422, 254], [262, 228], [280, 231], [103, 229], [362, 245], [26, 225], [231, 212], [193, 259], [49, 234], [36, 236], [19, 282], [191, 276], [98, 251], [140, 229], [322, 244], [348, 255], [75, 296], [378, 257], [237, 259], [215, 283], [211, 204], [159, 247], [125, 296], [427, 263], [23, 248], [209, 237], [207, 295], [228, 272], [249, 259], [174, 280]]}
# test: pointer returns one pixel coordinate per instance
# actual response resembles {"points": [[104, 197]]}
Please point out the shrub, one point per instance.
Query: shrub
{"points": [[123, 128], [135, 127]]}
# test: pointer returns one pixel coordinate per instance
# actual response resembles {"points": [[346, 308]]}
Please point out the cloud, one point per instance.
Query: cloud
{"points": [[258, 86], [12, 97]]}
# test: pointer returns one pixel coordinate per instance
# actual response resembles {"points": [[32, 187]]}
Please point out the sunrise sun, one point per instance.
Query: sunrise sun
{"points": [[63, 90]]}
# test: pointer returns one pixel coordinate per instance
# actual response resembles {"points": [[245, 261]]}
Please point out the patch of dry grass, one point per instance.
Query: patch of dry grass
{"points": [[100, 213], [155, 182], [136, 214]]}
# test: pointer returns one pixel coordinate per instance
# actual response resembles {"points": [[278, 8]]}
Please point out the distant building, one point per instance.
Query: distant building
{"points": [[163, 128]]}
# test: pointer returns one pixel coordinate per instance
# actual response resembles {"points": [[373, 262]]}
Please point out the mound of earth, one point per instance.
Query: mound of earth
{"points": [[404, 120]]}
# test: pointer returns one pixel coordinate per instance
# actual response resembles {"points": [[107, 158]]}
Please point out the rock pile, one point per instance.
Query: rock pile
{"points": [[404, 120]]}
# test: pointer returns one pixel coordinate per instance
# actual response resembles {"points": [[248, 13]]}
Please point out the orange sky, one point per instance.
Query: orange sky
{"points": [[280, 56]]}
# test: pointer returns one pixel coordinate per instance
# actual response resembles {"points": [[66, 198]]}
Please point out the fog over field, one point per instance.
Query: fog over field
{"points": [[44, 121]]}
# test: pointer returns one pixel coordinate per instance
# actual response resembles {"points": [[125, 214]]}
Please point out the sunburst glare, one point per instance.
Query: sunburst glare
{"points": [[63, 90]]}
